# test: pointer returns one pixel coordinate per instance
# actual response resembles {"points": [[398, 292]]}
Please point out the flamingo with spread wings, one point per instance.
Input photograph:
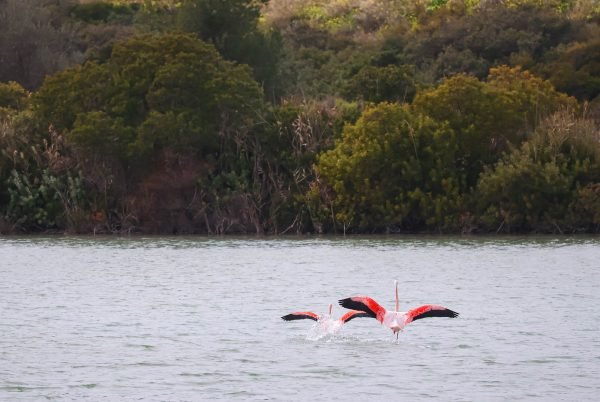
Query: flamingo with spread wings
{"points": [[309, 315], [395, 320]]}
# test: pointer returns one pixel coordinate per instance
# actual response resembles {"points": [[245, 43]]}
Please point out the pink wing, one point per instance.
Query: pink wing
{"points": [[366, 304], [429, 310], [301, 315], [353, 314]]}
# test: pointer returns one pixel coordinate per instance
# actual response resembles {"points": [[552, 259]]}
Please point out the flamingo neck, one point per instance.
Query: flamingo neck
{"points": [[397, 301], [330, 306]]}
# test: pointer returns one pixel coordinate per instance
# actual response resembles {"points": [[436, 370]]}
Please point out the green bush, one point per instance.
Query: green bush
{"points": [[490, 116], [155, 92], [102, 11], [547, 185], [522, 194], [574, 69], [379, 84], [44, 201], [13, 96], [393, 170]]}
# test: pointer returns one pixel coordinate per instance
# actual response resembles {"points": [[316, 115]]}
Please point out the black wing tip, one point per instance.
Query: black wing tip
{"points": [[344, 302], [446, 312], [355, 305], [293, 317]]}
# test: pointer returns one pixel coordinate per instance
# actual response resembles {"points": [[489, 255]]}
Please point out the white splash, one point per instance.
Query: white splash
{"points": [[326, 326]]}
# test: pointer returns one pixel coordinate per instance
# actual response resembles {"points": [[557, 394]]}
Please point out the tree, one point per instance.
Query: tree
{"points": [[549, 184], [40, 186], [157, 121], [13, 96], [155, 92], [219, 22], [457, 38], [378, 84], [574, 69], [393, 170], [232, 27], [488, 117], [35, 40]]}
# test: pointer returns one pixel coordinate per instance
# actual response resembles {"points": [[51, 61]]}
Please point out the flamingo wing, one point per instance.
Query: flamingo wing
{"points": [[366, 304], [429, 310], [301, 315], [353, 314]]}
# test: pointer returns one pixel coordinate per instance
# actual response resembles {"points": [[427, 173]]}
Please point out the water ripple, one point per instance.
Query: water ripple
{"points": [[197, 318]]}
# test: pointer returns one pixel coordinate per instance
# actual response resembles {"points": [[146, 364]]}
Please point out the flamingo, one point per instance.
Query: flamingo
{"points": [[395, 320], [303, 315]]}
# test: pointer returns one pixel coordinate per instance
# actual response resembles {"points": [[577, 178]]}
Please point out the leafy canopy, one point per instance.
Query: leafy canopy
{"points": [[391, 170], [154, 92]]}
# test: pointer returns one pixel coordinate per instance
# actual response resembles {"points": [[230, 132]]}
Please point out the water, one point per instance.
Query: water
{"points": [[188, 319]]}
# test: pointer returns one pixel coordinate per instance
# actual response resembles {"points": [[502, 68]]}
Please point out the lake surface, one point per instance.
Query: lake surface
{"points": [[188, 319]]}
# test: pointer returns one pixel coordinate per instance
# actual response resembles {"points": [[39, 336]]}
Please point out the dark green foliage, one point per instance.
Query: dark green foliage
{"points": [[393, 170], [155, 92], [378, 84], [575, 69], [40, 188], [98, 131], [276, 164], [490, 116], [159, 102], [444, 126], [456, 39], [13, 96], [587, 208], [102, 11], [221, 22], [232, 27], [524, 194], [44, 201], [547, 185]]}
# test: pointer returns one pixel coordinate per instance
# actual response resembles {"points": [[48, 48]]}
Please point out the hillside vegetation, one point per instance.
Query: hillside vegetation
{"points": [[300, 116]]}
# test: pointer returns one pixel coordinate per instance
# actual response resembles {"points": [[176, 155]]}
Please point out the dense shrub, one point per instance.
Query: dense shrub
{"points": [[488, 117], [456, 116], [547, 185], [378, 84], [103, 11], [574, 69], [13, 96], [155, 92], [393, 170]]}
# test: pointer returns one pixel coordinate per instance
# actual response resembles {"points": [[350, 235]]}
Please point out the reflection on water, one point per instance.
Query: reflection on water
{"points": [[165, 318]]}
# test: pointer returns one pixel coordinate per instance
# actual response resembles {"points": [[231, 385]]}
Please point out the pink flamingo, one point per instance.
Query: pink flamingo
{"points": [[395, 320], [303, 315]]}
